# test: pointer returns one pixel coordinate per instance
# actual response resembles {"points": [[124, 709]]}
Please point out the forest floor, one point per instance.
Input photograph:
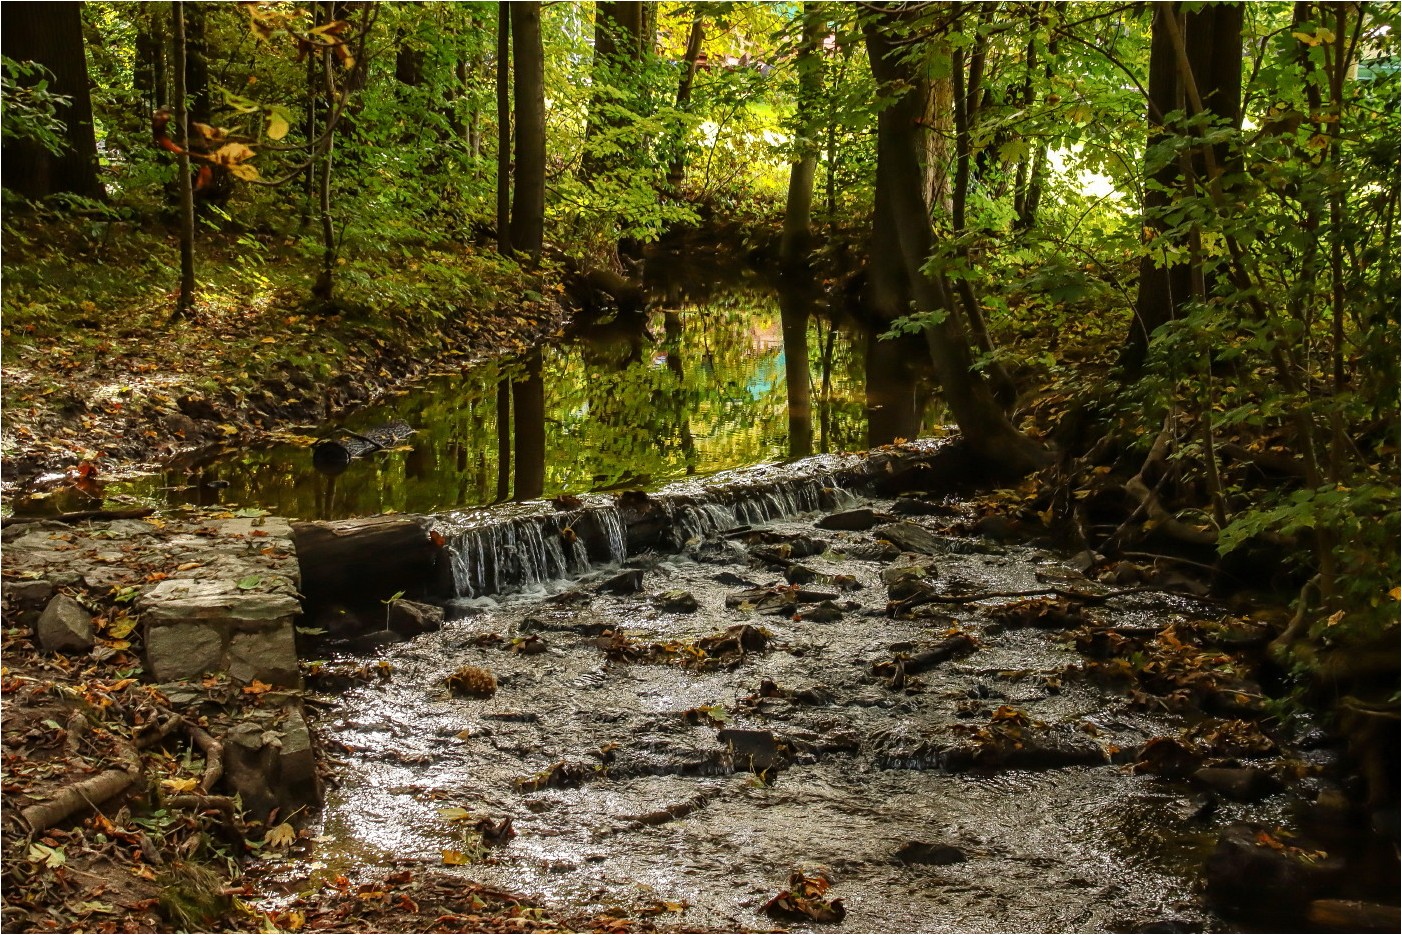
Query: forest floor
{"points": [[96, 371]]}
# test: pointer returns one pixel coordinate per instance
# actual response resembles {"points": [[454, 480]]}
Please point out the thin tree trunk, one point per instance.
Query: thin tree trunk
{"points": [[504, 129], [676, 171], [503, 439], [793, 315], [186, 300], [528, 203], [528, 396], [798, 209]]}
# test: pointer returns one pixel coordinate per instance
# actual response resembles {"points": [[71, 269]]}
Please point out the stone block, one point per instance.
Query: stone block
{"points": [[267, 655], [183, 650], [65, 625]]}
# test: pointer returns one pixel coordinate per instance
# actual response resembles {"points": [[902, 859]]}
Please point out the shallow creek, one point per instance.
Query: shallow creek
{"points": [[619, 797]]}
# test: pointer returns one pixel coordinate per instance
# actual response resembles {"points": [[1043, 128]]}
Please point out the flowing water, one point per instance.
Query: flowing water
{"points": [[624, 792]]}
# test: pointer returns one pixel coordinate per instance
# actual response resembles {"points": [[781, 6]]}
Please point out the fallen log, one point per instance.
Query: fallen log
{"points": [[345, 561], [332, 456]]}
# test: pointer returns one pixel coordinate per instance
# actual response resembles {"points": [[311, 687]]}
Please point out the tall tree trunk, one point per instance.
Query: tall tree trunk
{"points": [[149, 67], [795, 241], [1212, 39], [986, 430], [619, 42], [504, 129], [503, 439], [52, 35], [676, 170], [795, 303], [528, 396], [528, 203], [186, 300], [197, 90]]}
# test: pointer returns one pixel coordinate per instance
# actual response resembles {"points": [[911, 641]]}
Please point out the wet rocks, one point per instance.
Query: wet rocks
{"points": [[626, 582], [412, 618], [65, 626], [852, 520], [909, 537], [1244, 784], [269, 762], [677, 602], [1253, 873], [922, 852], [755, 751], [825, 612]]}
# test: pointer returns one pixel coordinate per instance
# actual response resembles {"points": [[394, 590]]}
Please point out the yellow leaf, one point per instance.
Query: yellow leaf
{"points": [[454, 813], [244, 172], [186, 566], [231, 154], [294, 920], [179, 786], [454, 858], [1395, 594], [282, 836], [277, 127]]}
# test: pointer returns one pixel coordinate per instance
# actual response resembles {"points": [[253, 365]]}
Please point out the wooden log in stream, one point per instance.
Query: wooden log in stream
{"points": [[362, 561]]}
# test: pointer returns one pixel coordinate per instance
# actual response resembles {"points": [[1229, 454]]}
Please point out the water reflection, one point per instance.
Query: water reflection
{"points": [[711, 379]]}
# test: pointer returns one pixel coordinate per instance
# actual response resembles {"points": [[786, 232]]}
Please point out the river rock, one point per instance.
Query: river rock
{"points": [[1252, 873], [921, 852], [800, 574], [909, 537], [412, 618], [65, 625], [29, 594], [826, 612], [753, 750], [627, 582], [1244, 784], [677, 602], [852, 520]]}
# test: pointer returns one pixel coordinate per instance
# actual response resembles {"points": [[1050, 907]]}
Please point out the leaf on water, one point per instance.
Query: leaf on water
{"points": [[282, 836], [455, 813], [454, 858]]}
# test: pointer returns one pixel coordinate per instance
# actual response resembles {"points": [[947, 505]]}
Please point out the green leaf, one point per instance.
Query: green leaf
{"points": [[250, 512], [251, 582]]}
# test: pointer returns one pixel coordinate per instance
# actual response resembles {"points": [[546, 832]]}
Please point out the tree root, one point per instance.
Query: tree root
{"points": [[88, 793], [223, 804], [896, 607]]}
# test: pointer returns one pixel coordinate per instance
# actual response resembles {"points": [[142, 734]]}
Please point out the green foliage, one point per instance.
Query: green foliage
{"points": [[30, 108]]}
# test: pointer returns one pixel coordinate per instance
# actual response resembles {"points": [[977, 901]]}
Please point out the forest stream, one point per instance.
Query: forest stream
{"points": [[742, 733]]}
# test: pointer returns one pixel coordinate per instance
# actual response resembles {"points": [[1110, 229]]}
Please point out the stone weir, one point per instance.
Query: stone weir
{"points": [[519, 546]]}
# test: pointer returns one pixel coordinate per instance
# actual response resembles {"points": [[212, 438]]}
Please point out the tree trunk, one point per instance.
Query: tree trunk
{"points": [[197, 91], [676, 170], [149, 68], [528, 204], [503, 439], [504, 129], [52, 35], [619, 30], [187, 195], [798, 209], [794, 304], [1212, 38], [989, 434], [528, 395]]}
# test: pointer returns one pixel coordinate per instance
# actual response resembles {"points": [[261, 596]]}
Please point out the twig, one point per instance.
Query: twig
{"points": [[80, 515], [918, 600], [213, 755]]}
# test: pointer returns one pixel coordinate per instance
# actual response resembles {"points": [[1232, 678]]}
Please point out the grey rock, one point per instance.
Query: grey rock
{"points": [[65, 625], [29, 593], [412, 617], [910, 537], [628, 582], [267, 655], [1244, 784], [907, 571], [922, 852], [677, 602], [826, 612], [851, 520], [183, 650], [753, 750]]}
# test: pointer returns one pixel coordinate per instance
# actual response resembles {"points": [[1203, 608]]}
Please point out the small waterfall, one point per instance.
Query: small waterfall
{"points": [[499, 554]]}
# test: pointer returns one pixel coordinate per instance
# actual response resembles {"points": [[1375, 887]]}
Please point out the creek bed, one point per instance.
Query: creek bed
{"points": [[620, 798]]}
